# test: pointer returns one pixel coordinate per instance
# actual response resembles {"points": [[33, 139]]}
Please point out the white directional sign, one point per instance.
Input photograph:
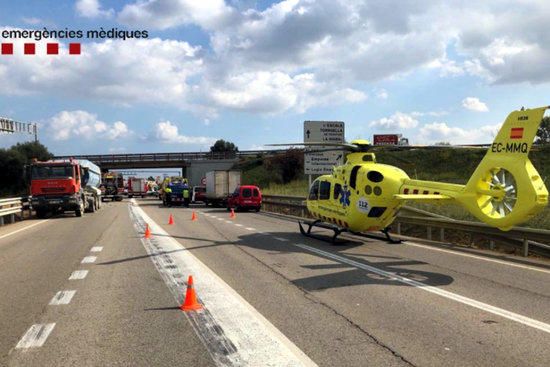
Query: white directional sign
{"points": [[319, 162]]}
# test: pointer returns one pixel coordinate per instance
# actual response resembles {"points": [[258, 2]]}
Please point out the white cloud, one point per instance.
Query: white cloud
{"points": [[92, 9], [398, 120], [276, 92], [68, 124], [160, 14], [441, 131], [32, 20], [382, 94], [474, 104], [166, 132], [116, 72]]}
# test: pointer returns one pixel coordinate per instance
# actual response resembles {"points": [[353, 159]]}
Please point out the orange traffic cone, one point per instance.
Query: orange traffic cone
{"points": [[190, 303], [232, 214], [170, 219], [147, 231], [194, 216]]}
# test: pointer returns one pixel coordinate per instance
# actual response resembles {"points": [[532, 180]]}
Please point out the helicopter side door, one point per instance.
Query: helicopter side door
{"points": [[313, 196]]}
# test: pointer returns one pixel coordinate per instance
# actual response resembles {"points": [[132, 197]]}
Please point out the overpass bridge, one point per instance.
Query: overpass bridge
{"points": [[194, 165]]}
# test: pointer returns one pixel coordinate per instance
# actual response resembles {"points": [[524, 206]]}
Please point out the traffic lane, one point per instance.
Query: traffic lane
{"points": [[438, 331], [454, 322], [519, 290], [323, 335], [121, 314], [35, 262]]}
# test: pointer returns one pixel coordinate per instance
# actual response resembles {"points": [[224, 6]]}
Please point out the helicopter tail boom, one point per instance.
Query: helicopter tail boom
{"points": [[506, 189]]}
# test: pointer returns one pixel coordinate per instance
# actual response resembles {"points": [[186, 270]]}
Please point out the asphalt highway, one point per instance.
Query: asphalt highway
{"points": [[270, 295]]}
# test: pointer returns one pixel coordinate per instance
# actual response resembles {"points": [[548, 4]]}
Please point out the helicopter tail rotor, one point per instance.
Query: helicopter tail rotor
{"points": [[506, 189]]}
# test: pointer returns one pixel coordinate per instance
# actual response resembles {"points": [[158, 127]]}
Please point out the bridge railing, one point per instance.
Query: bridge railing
{"points": [[168, 157]]}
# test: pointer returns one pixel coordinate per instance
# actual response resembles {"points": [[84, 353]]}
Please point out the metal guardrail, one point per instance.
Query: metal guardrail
{"points": [[9, 207], [532, 240]]}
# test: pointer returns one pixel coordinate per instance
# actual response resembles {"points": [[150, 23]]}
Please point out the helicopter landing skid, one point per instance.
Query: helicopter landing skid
{"points": [[320, 224], [388, 238]]}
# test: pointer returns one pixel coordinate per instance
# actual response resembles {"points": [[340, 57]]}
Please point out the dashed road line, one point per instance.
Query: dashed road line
{"points": [[440, 292], [36, 336], [239, 225], [78, 274], [96, 249], [250, 229], [89, 260], [62, 298], [228, 221]]}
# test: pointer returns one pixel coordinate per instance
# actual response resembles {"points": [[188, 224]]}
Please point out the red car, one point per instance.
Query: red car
{"points": [[198, 194], [245, 197]]}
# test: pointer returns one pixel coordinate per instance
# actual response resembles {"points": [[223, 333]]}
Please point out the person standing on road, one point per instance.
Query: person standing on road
{"points": [[186, 196]]}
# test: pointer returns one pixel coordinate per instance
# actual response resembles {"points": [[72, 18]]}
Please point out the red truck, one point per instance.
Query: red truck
{"points": [[137, 187], [245, 197], [64, 185]]}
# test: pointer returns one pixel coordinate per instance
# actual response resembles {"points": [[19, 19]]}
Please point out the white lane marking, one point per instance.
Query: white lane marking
{"points": [[257, 342], [281, 239], [78, 274], [36, 336], [62, 298], [459, 253], [228, 221], [250, 229], [24, 228], [239, 225], [219, 218], [440, 292], [213, 216], [96, 249], [89, 260]]}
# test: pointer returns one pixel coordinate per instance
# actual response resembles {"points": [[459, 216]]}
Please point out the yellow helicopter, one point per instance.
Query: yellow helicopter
{"points": [[364, 196]]}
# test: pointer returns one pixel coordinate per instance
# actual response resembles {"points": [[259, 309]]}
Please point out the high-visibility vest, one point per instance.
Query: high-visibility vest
{"points": [[186, 193]]}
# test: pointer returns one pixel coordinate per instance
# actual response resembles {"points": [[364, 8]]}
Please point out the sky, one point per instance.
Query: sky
{"points": [[252, 71]]}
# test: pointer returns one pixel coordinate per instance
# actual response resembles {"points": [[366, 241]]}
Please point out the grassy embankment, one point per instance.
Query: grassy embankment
{"points": [[447, 165]]}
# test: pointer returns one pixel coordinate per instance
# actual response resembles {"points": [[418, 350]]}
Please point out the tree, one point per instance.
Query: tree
{"points": [[222, 146], [12, 166], [288, 165], [543, 134]]}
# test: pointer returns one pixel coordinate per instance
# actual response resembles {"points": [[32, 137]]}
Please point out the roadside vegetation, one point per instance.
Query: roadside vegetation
{"points": [[12, 166]]}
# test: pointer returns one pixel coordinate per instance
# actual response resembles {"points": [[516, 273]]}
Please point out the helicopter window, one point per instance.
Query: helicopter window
{"points": [[324, 190], [353, 176], [314, 191], [377, 191], [367, 158], [337, 190], [368, 190], [375, 176], [376, 211]]}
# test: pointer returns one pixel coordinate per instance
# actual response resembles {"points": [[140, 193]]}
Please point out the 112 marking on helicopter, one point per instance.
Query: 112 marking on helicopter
{"points": [[363, 195]]}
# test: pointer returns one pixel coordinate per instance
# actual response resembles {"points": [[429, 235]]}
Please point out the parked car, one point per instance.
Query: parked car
{"points": [[198, 194], [245, 197]]}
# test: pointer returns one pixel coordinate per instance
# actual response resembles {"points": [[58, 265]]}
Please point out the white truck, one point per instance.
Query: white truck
{"points": [[220, 184]]}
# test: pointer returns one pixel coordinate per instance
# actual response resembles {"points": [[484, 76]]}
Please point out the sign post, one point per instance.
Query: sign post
{"points": [[321, 159], [9, 126]]}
